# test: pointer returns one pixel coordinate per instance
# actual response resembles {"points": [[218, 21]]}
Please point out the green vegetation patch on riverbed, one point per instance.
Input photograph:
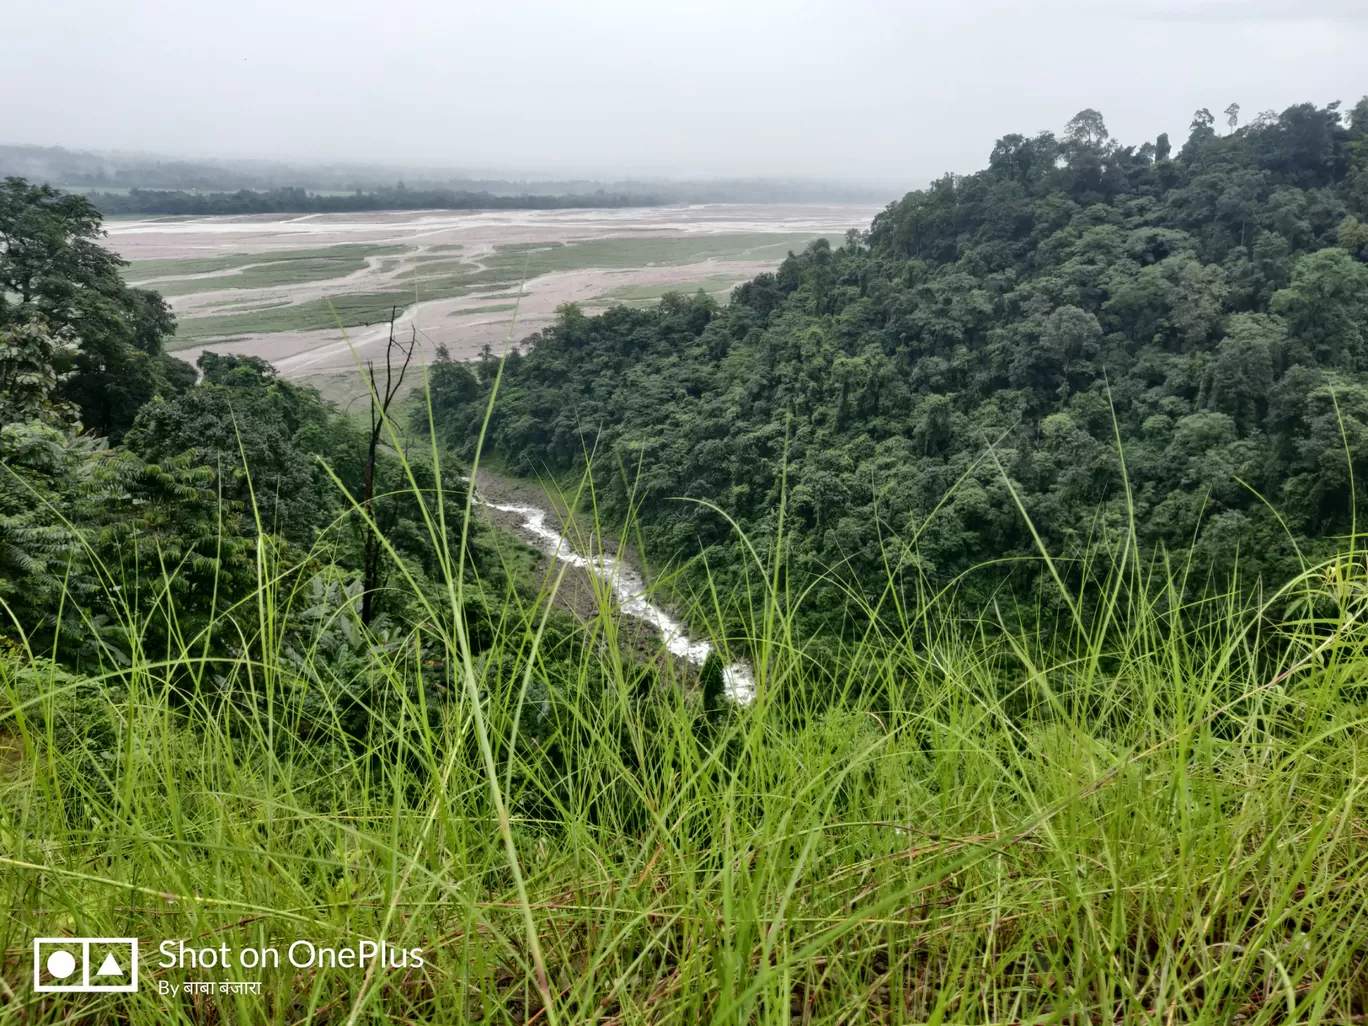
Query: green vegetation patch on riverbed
{"points": [[540, 258], [717, 286], [314, 315], [494, 308], [248, 305], [141, 272], [264, 276]]}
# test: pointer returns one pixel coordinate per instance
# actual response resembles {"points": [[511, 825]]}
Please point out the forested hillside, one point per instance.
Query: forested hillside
{"points": [[139, 497], [1086, 333]]}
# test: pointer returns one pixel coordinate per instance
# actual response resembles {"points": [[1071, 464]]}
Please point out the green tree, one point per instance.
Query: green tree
{"points": [[32, 359], [1326, 307], [244, 424], [52, 267], [1243, 374], [1087, 128]]}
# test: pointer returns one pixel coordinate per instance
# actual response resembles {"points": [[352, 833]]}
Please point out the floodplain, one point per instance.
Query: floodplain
{"points": [[313, 293]]}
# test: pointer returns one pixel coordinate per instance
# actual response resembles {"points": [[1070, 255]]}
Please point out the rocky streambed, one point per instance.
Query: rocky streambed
{"points": [[529, 511]]}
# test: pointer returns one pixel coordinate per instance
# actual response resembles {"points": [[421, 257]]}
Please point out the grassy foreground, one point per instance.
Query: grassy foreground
{"points": [[1151, 816]]}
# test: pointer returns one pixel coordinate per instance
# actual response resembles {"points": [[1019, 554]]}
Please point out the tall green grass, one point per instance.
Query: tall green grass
{"points": [[1147, 808]]}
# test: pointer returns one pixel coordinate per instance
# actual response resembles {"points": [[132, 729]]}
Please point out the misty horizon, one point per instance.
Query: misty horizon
{"points": [[440, 172], [863, 91]]}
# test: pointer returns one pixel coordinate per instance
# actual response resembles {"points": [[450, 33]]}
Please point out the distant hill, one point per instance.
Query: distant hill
{"points": [[178, 202], [84, 171]]}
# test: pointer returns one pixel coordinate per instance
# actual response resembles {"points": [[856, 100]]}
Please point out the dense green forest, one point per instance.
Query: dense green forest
{"points": [[135, 489], [302, 201], [1081, 337]]}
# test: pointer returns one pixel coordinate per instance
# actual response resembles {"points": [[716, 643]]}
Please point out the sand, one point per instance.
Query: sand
{"points": [[331, 355]]}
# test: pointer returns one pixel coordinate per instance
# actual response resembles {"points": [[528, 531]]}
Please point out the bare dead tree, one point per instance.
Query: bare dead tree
{"points": [[380, 401]]}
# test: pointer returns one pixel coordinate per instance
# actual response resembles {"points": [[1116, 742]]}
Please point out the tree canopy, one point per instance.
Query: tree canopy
{"points": [[133, 491], [54, 273], [1080, 336]]}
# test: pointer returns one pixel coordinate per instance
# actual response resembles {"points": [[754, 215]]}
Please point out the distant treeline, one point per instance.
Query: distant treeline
{"points": [[85, 172], [302, 201]]}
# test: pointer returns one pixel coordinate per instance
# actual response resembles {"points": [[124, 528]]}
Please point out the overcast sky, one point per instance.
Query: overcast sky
{"points": [[862, 89]]}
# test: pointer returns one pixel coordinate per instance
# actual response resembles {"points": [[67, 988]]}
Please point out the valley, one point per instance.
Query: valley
{"points": [[279, 288]]}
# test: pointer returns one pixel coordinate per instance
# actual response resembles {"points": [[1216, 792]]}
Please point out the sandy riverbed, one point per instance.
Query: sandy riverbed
{"points": [[463, 324]]}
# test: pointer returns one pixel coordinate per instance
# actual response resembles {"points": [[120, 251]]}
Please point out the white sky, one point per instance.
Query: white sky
{"points": [[874, 90]]}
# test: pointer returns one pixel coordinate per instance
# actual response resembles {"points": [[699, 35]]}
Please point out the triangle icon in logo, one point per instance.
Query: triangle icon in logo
{"points": [[109, 967]]}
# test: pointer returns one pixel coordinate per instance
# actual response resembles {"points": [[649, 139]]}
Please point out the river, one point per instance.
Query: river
{"points": [[629, 587]]}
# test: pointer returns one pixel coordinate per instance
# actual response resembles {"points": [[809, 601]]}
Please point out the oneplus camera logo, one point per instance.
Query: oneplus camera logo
{"points": [[85, 964]]}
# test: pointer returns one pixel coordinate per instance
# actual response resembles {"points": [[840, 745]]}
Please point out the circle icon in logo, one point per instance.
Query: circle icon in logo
{"points": [[70, 961], [61, 964]]}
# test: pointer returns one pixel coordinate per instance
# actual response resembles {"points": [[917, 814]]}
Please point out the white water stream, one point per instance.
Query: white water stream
{"points": [[630, 589]]}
